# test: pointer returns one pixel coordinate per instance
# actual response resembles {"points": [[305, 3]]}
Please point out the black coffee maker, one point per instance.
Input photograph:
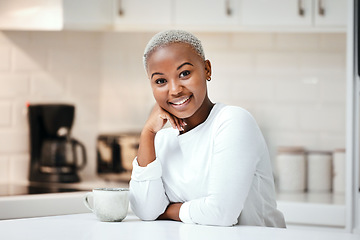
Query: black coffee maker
{"points": [[54, 154]]}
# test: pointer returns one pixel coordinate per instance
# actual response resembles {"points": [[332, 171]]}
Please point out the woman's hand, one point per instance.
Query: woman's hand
{"points": [[158, 119]]}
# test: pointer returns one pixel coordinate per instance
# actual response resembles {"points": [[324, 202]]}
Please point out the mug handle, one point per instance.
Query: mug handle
{"points": [[86, 201]]}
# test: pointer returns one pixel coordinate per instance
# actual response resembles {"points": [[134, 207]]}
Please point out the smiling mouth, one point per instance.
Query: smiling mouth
{"points": [[182, 101]]}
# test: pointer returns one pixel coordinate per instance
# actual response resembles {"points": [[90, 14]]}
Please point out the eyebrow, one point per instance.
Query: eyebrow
{"points": [[159, 73], [186, 63], [156, 73]]}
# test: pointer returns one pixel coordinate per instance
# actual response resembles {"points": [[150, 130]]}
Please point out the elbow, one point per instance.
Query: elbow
{"points": [[227, 217], [227, 223], [219, 215], [223, 222], [147, 216], [144, 211], [219, 222]]}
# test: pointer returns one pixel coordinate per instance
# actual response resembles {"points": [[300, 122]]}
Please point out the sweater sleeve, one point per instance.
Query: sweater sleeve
{"points": [[238, 146], [148, 199]]}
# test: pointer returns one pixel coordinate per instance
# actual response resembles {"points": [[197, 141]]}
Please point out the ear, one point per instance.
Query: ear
{"points": [[207, 69]]}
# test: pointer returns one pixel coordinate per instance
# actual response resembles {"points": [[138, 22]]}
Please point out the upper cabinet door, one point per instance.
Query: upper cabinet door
{"points": [[31, 14], [143, 12], [154, 15], [88, 14], [330, 13], [276, 12], [206, 12]]}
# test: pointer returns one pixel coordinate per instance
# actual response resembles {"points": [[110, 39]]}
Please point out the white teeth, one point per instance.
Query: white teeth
{"points": [[182, 101]]}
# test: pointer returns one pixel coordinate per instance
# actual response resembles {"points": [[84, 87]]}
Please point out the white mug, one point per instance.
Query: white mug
{"points": [[110, 204]]}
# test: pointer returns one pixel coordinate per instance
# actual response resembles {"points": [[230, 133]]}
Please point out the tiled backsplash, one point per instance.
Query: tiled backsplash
{"points": [[293, 83]]}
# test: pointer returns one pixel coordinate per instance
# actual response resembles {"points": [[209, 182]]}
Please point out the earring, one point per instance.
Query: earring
{"points": [[209, 79]]}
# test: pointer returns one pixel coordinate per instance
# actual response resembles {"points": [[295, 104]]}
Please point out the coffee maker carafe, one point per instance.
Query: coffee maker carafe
{"points": [[55, 156]]}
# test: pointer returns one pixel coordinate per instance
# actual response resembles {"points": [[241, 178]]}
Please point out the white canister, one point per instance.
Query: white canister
{"points": [[291, 169], [319, 174], [339, 171]]}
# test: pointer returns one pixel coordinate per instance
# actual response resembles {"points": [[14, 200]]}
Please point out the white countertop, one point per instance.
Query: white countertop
{"points": [[322, 210], [313, 208], [86, 226], [49, 204]]}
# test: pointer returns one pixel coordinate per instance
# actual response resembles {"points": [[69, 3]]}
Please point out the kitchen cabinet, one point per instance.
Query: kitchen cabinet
{"points": [[55, 15], [88, 14], [155, 15], [276, 12], [142, 14], [206, 12], [290, 13], [330, 13], [31, 15]]}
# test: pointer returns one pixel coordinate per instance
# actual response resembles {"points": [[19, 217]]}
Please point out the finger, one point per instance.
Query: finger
{"points": [[175, 122], [183, 123], [178, 124], [167, 117], [172, 122]]}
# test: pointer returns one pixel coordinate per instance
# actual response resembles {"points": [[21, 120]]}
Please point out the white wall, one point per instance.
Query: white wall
{"points": [[44, 67], [294, 85]]}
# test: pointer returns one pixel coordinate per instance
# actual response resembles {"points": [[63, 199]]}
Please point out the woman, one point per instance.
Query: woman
{"points": [[212, 167]]}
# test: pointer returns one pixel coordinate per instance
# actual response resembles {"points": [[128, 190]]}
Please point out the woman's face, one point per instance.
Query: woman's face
{"points": [[178, 79]]}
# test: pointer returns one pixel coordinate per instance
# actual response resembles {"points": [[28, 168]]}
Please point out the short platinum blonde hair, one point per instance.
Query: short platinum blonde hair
{"points": [[168, 37]]}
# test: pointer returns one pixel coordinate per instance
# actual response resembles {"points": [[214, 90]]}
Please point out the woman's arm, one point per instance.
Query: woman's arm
{"points": [[238, 145], [155, 122], [148, 199]]}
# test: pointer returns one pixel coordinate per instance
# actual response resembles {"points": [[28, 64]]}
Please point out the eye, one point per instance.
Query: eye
{"points": [[184, 73], [160, 81]]}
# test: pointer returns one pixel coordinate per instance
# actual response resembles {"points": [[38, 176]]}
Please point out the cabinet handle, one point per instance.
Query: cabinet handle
{"points": [[321, 8], [228, 8], [301, 8], [121, 11]]}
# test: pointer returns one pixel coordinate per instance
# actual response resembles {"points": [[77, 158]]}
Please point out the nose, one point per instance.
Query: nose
{"points": [[175, 87]]}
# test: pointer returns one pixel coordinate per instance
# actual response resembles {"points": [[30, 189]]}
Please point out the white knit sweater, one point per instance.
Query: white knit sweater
{"points": [[220, 171]]}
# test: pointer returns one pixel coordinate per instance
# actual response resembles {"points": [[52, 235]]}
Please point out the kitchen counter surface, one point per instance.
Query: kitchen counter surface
{"points": [[86, 226], [50, 204]]}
